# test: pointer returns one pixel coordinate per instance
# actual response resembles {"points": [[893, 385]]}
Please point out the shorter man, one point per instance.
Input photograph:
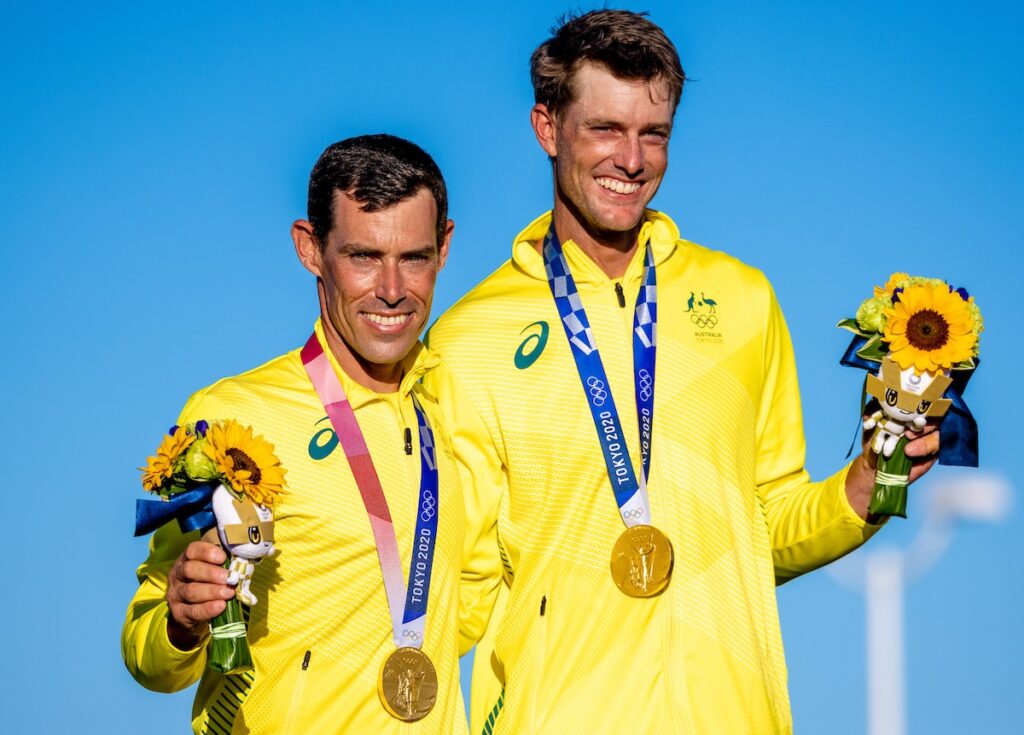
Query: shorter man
{"points": [[332, 603]]}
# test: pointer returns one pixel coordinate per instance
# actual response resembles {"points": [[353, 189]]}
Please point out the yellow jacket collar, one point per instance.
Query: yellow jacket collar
{"points": [[657, 227], [419, 360]]}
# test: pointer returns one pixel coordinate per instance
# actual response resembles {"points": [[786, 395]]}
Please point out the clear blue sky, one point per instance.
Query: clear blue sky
{"points": [[153, 159]]}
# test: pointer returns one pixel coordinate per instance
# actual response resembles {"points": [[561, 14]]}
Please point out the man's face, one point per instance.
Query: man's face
{"points": [[610, 146], [378, 271]]}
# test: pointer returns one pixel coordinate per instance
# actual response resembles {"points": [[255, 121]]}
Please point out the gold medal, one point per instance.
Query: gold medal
{"points": [[407, 684], [642, 561]]}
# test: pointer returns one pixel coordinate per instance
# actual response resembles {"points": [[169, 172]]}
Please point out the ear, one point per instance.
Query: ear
{"points": [[306, 246], [545, 127], [446, 241]]}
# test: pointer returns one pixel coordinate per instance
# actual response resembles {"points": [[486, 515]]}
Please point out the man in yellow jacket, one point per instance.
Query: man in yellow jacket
{"points": [[328, 627], [636, 412]]}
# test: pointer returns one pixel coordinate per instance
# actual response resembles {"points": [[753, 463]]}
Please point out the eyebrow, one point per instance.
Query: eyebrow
{"points": [[351, 248], [600, 122]]}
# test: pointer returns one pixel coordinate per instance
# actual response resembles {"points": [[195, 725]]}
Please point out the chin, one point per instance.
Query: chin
{"points": [[621, 221]]}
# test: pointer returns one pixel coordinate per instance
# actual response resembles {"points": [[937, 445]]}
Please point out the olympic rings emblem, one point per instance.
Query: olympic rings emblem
{"points": [[411, 634], [704, 321], [646, 385], [631, 515], [427, 508], [598, 395]]}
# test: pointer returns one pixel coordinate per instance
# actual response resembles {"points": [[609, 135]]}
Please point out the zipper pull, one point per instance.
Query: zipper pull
{"points": [[408, 440], [621, 296], [543, 605], [305, 660]]}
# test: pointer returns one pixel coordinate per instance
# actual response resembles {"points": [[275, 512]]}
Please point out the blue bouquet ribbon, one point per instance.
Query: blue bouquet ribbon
{"points": [[193, 509], [959, 446]]}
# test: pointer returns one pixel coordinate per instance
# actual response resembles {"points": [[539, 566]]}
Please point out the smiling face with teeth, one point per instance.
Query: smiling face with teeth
{"points": [[609, 147], [375, 275]]}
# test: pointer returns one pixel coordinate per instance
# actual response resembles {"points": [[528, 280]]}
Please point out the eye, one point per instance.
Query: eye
{"points": [[656, 136], [924, 406], [254, 534], [891, 397]]}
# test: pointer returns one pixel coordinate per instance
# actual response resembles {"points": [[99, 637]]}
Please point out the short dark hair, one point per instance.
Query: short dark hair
{"points": [[626, 43], [378, 171]]}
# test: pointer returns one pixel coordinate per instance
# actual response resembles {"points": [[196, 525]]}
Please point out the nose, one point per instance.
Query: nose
{"points": [[391, 285], [630, 156]]}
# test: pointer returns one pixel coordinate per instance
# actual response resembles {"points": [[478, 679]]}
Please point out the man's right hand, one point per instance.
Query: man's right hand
{"points": [[197, 592]]}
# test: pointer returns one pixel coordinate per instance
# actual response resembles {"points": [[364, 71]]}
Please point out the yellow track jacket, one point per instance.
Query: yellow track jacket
{"points": [[321, 628], [571, 652]]}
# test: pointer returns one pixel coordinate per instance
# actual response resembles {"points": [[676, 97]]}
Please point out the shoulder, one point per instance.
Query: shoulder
{"points": [[708, 261], [505, 298], [238, 395], [715, 277]]}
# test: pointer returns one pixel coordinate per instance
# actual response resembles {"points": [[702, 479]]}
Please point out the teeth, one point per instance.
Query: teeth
{"points": [[620, 187], [388, 321]]}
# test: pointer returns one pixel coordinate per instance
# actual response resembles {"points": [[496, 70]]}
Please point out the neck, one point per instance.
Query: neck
{"points": [[378, 378], [610, 250]]}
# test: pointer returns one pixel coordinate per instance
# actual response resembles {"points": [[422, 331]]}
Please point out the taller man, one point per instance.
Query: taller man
{"points": [[638, 412], [374, 503]]}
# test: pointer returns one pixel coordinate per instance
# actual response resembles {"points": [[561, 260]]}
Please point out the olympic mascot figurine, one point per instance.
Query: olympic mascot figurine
{"points": [[906, 400], [245, 530]]}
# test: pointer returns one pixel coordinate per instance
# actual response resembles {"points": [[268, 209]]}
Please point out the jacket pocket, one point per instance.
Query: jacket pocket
{"points": [[291, 724]]}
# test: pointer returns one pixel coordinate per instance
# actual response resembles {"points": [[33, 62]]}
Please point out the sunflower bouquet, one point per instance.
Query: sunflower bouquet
{"points": [[222, 481], [919, 338]]}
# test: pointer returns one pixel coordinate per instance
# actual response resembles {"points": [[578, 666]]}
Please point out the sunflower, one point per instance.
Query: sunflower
{"points": [[246, 462], [159, 469], [929, 328]]}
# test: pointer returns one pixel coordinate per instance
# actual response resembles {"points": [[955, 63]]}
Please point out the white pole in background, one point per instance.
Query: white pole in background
{"points": [[883, 594], [882, 575]]}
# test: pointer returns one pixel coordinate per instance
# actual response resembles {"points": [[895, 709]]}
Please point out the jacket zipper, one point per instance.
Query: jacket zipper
{"points": [[620, 295], [300, 686]]}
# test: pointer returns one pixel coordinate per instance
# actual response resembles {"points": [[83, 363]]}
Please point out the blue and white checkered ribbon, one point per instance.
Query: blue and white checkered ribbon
{"points": [[630, 491]]}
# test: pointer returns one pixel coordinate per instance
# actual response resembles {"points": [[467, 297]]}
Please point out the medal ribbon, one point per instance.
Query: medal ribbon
{"points": [[630, 491], [408, 622]]}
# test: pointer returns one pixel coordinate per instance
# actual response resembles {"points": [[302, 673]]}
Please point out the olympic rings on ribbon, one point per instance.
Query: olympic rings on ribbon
{"points": [[646, 385], [427, 509], [598, 395], [630, 515]]}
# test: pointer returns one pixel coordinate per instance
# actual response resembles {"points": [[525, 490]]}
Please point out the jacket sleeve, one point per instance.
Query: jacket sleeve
{"points": [[809, 523], [148, 654], [483, 479]]}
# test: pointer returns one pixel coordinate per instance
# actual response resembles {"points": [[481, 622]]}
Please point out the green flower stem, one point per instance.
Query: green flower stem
{"points": [[229, 649], [889, 497]]}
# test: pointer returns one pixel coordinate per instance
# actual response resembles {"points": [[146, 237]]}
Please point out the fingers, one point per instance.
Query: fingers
{"points": [[196, 588], [196, 593], [202, 551], [924, 443], [202, 571]]}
